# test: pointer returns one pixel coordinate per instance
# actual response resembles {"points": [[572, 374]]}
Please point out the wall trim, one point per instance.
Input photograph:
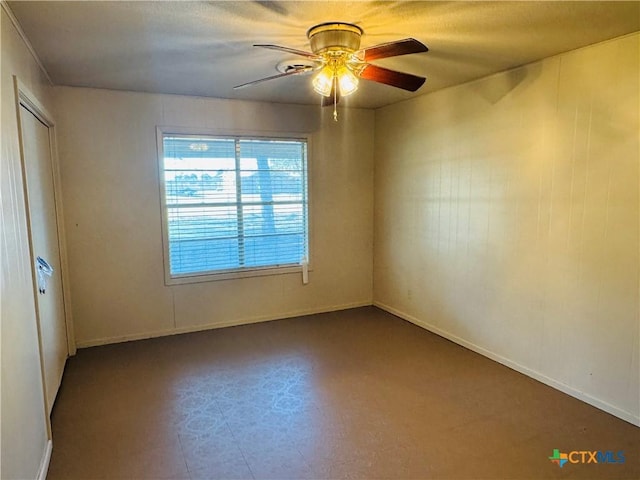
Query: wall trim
{"points": [[44, 463], [585, 397], [213, 326], [7, 9]]}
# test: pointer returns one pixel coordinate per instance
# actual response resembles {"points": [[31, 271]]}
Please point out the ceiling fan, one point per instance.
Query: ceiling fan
{"points": [[340, 63]]}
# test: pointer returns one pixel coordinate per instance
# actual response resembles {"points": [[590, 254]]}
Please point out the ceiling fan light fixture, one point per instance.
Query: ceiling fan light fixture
{"points": [[336, 44], [323, 81], [347, 81], [332, 74]]}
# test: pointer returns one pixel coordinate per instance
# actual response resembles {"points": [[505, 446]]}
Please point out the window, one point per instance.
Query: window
{"points": [[233, 205]]}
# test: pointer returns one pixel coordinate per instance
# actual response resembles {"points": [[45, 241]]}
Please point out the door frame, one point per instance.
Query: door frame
{"points": [[28, 100]]}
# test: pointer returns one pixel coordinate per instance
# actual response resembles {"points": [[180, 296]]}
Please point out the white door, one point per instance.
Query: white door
{"points": [[44, 243]]}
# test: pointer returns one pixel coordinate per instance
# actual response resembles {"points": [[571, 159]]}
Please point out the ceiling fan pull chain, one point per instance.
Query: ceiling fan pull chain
{"points": [[335, 99]]}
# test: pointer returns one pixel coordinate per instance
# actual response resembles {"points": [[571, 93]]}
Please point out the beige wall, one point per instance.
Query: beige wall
{"points": [[506, 218], [24, 424], [107, 148]]}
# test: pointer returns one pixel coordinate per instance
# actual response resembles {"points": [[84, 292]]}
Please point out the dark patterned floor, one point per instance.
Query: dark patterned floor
{"points": [[352, 394]]}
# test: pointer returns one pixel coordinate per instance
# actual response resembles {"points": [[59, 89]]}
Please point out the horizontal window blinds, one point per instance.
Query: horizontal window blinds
{"points": [[234, 203]]}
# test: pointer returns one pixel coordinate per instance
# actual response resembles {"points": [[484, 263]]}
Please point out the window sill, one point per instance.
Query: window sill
{"points": [[232, 274]]}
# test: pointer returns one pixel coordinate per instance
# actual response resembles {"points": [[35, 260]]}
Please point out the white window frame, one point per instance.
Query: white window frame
{"points": [[244, 272]]}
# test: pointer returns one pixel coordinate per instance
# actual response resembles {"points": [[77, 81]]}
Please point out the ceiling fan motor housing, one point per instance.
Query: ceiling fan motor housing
{"points": [[334, 36]]}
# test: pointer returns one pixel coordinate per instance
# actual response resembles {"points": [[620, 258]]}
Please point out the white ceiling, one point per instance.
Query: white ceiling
{"points": [[205, 48]]}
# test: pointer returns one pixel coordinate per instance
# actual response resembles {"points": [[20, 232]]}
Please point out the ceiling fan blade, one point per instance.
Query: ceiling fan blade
{"points": [[406, 81], [328, 101], [296, 71], [394, 49], [280, 48]]}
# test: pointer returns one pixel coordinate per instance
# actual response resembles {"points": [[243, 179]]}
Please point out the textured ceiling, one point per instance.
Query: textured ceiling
{"points": [[205, 48]]}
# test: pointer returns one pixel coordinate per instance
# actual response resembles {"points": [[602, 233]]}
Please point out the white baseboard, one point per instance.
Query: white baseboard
{"points": [[585, 397], [44, 463], [212, 326]]}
